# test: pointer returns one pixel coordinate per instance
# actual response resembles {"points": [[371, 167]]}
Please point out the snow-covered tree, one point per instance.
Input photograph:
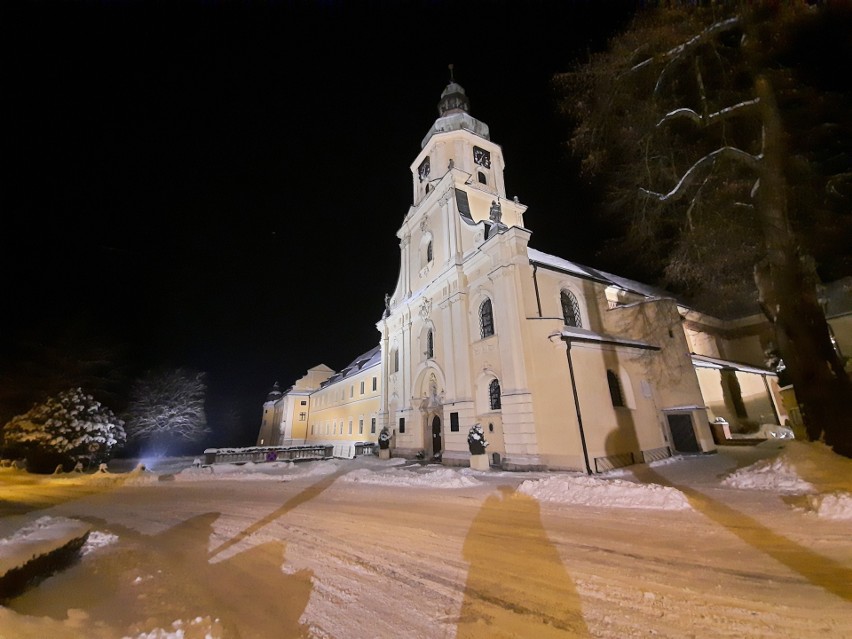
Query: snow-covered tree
{"points": [[167, 409], [72, 425]]}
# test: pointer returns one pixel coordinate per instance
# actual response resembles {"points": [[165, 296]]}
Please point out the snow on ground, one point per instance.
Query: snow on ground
{"points": [[96, 541], [326, 544], [798, 470], [43, 536], [432, 477], [604, 493]]}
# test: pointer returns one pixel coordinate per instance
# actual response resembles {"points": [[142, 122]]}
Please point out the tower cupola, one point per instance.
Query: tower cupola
{"points": [[453, 100], [454, 113]]}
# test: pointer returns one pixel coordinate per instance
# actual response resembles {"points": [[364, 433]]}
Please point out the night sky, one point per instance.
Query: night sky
{"points": [[218, 185]]}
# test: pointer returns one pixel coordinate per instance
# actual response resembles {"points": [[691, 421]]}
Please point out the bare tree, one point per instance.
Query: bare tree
{"points": [[166, 409], [682, 114]]}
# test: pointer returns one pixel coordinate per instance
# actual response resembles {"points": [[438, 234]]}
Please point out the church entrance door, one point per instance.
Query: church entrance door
{"points": [[437, 443]]}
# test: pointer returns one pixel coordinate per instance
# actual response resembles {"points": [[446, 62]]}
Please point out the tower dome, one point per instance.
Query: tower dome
{"points": [[454, 113], [453, 100], [275, 394]]}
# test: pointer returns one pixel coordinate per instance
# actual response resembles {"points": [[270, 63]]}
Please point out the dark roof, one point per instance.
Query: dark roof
{"points": [[366, 360]]}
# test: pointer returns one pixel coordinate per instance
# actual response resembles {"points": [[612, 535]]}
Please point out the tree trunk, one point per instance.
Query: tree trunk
{"points": [[787, 290]]}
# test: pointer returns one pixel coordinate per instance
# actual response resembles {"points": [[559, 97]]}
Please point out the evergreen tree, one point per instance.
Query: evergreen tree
{"points": [[70, 426]]}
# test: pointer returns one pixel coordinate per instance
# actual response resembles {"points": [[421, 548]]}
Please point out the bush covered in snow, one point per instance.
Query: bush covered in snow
{"points": [[70, 427]]}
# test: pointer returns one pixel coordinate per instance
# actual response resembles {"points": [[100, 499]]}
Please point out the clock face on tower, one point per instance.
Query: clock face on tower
{"points": [[423, 169], [482, 157]]}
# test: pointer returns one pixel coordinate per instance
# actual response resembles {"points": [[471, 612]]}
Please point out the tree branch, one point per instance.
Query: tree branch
{"points": [[675, 55], [710, 118], [689, 177]]}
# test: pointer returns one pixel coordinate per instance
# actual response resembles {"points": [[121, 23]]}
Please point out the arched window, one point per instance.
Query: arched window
{"points": [[486, 318], [429, 251], [482, 179], [494, 394], [614, 388], [570, 309], [430, 345]]}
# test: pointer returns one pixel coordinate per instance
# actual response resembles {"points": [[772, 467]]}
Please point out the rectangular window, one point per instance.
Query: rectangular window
{"points": [[402, 425], [362, 388], [302, 416], [614, 389], [352, 391], [304, 402], [374, 383], [312, 428], [350, 426], [373, 425], [454, 422], [361, 426]]}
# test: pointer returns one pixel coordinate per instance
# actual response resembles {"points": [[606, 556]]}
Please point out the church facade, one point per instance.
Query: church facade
{"points": [[563, 366]]}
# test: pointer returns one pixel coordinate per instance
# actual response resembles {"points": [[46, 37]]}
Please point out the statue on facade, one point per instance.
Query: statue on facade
{"points": [[496, 213], [476, 441]]}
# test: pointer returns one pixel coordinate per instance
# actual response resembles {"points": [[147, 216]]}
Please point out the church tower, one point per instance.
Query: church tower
{"points": [[460, 230]]}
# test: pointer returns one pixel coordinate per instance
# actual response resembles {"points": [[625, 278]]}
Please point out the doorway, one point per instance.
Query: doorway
{"points": [[437, 443], [683, 434]]}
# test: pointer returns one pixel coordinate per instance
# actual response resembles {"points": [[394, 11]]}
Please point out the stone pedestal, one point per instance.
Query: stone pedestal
{"points": [[384, 453], [479, 462]]}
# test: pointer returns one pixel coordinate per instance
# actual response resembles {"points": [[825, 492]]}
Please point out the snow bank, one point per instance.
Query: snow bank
{"points": [[41, 537], [801, 467], [429, 478], [836, 505], [96, 541], [604, 493], [778, 475], [249, 471]]}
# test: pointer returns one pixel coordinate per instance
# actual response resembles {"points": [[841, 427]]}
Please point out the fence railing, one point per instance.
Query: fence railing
{"points": [[258, 454]]}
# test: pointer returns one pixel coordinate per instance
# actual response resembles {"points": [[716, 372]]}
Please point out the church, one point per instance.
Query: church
{"points": [[563, 366]]}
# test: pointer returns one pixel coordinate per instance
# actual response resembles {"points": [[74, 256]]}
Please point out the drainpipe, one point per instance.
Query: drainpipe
{"points": [[308, 418], [577, 404], [535, 283]]}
